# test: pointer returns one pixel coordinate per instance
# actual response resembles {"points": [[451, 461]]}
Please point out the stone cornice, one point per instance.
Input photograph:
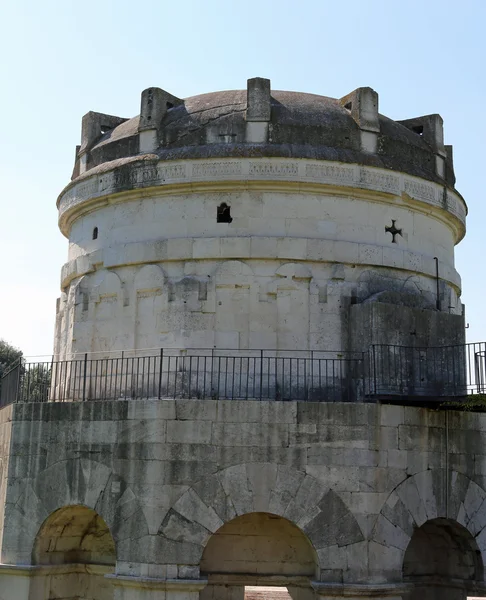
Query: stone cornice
{"points": [[336, 590], [179, 177], [316, 250], [177, 585], [43, 570]]}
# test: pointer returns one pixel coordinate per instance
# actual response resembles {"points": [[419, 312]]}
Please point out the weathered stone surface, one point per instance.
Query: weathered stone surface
{"points": [[245, 271], [212, 493], [179, 529], [193, 508], [306, 191], [356, 501], [334, 525]]}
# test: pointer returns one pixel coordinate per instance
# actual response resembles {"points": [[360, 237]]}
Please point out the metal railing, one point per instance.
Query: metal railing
{"points": [[260, 374], [443, 371], [383, 371]]}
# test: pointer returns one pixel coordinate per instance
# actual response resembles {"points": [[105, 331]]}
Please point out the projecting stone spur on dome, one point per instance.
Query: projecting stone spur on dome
{"points": [[261, 122]]}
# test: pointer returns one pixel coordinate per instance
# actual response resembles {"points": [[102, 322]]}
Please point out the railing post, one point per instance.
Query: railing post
{"points": [[454, 374], [212, 373], [160, 371], [373, 348], [261, 373], [312, 373], [363, 374], [48, 391], [305, 379], [18, 391], [85, 368]]}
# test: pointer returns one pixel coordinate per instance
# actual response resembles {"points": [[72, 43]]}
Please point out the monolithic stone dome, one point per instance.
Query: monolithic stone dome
{"points": [[300, 125]]}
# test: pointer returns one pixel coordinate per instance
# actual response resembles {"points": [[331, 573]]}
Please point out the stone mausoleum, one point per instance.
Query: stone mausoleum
{"points": [[258, 364]]}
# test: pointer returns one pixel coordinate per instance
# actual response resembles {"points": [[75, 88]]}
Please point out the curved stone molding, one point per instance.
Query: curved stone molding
{"points": [[151, 291], [328, 173], [105, 286], [294, 272], [419, 499], [72, 482], [233, 271], [301, 249], [265, 487], [150, 278]]}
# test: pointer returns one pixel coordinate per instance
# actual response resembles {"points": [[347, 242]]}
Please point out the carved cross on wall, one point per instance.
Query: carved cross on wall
{"points": [[394, 231]]}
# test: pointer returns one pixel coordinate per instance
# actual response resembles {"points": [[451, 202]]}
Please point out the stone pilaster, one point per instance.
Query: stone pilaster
{"points": [[331, 591], [223, 592], [15, 582], [146, 588]]}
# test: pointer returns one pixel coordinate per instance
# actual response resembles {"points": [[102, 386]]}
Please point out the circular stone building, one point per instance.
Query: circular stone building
{"points": [[260, 219], [303, 248]]}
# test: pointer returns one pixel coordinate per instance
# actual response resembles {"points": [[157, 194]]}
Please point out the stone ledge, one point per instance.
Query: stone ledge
{"points": [[317, 250], [36, 570], [179, 585], [191, 174], [392, 591]]}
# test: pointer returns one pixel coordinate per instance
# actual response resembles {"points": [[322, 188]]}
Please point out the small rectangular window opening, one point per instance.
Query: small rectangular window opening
{"points": [[95, 233], [223, 214], [419, 129], [348, 106]]}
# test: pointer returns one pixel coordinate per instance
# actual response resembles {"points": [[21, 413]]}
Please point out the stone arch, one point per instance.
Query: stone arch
{"points": [[291, 289], [150, 278], [103, 284], [98, 301], [442, 560], [76, 550], [424, 497], [74, 534], [150, 303], [80, 482], [75, 323], [233, 271], [61, 327], [260, 543], [294, 272], [233, 289], [377, 286], [265, 488]]}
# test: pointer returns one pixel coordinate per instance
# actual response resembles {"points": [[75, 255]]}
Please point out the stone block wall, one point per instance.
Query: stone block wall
{"points": [[151, 268], [357, 480]]}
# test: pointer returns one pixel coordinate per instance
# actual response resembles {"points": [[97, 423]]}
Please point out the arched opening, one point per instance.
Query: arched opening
{"points": [[258, 555], [70, 539], [443, 561]]}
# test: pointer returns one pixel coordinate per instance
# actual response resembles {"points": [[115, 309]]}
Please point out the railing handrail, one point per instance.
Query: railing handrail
{"points": [[82, 359], [382, 370], [443, 347], [274, 374], [156, 350]]}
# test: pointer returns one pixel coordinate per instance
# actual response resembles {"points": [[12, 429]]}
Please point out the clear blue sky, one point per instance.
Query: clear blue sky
{"points": [[61, 59]]}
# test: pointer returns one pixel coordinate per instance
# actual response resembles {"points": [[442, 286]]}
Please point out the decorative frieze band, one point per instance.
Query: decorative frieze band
{"points": [[318, 172]]}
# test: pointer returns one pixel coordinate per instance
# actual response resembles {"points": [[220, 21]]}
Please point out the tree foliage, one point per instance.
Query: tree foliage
{"points": [[472, 402], [9, 355], [28, 382]]}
